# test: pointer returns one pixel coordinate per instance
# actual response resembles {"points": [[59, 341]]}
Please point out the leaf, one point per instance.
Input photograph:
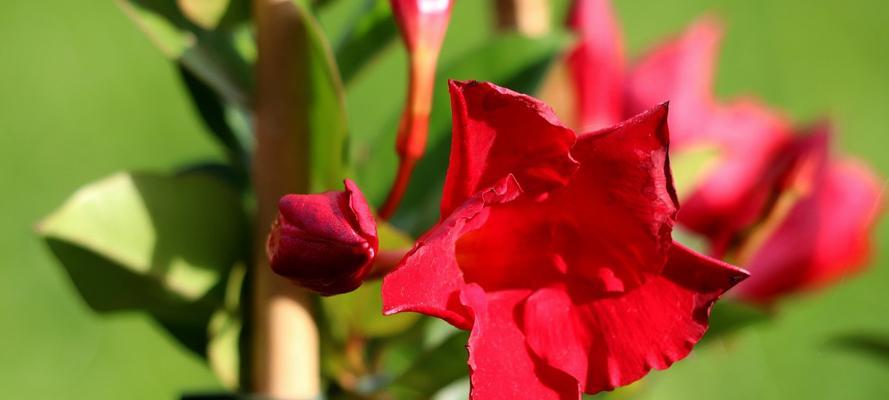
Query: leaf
{"points": [[218, 57], [433, 369], [391, 238], [205, 13], [221, 119], [153, 243], [361, 312], [215, 61], [876, 346], [327, 110], [224, 331], [371, 30], [729, 316]]}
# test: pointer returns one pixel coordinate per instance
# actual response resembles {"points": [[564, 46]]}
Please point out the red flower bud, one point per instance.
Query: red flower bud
{"points": [[423, 23], [324, 242]]}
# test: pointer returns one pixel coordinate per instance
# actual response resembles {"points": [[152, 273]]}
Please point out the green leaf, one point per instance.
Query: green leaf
{"points": [[205, 13], [224, 331], [371, 30], [875, 346], [219, 57], [361, 312], [434, 369], [225, 122], [212, 44], [391, 238], [159, 244], [327, 108], [730, 316]]}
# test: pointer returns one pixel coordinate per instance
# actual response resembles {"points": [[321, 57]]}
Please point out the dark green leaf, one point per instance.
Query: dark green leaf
{"points": [[371, 30], [730, 316], [236, 139], [876, 346], [433, 369]]}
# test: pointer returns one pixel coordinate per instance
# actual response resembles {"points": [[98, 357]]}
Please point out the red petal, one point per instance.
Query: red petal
{"points": [[622, 193], [681, 72], [615, 341], [621, 201], [825, 235], [428, 279], [596, 65], [499, 132], [500, 364]]}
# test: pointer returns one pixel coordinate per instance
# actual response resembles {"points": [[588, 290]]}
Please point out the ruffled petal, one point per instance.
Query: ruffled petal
{"points": [[680, 71], [428, 280], [614, 341], [500, 364], [617, 213], [499, 132], [596, 65]]}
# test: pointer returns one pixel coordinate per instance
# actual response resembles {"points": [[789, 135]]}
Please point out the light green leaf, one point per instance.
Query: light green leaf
{"points": [[204, 13], [224, 331], [149, 242], [361, 312]]}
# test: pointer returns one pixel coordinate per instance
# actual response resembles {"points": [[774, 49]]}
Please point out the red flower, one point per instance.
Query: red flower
{"points": [[324, 242], [811, 235], [556, 251], [818, 231]]}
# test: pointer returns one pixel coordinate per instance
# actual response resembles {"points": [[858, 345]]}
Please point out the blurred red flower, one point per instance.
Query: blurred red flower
{"points": [[556, 251], [817, 230], [754, 147]]}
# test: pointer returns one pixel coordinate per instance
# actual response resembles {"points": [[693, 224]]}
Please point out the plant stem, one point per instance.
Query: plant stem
{"points": [[529, 17], [284, 347]]}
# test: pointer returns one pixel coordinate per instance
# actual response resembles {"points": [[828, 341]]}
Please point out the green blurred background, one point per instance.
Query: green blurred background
{"points": [[84, 94]]}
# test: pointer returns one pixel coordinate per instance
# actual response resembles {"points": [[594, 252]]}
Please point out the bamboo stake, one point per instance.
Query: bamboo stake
{"points": [[284, 359]]}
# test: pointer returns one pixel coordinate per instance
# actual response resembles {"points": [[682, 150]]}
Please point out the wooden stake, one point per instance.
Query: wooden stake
{"points": [[284, 359]]}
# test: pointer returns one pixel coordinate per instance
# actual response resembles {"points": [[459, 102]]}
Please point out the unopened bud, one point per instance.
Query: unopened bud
{"points": [[324, 242]]}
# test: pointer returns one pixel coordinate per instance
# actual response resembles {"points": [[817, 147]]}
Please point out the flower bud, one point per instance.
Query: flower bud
{"points": [[422, 22], [324, 242]]}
